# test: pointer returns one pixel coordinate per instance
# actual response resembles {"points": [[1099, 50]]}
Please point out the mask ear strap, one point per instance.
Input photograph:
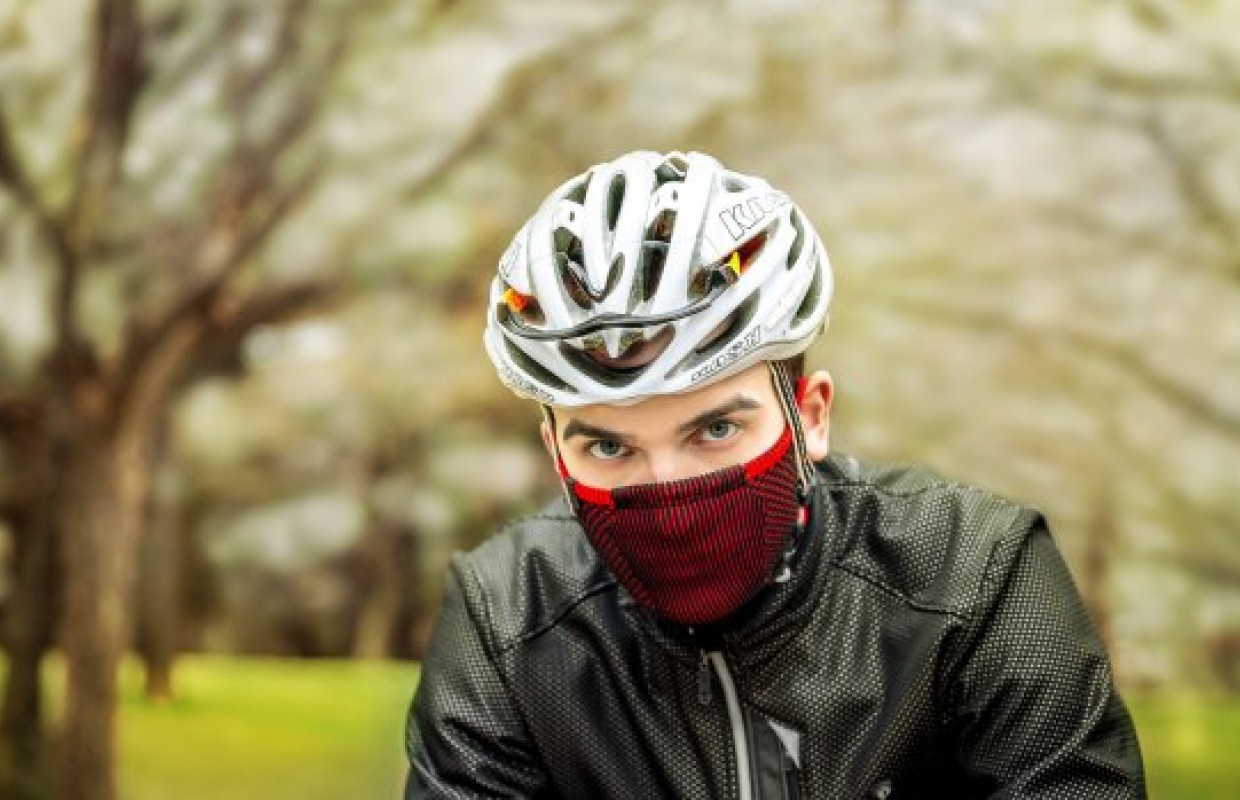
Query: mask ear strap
{"points": [[561, 470], [788, 396]]}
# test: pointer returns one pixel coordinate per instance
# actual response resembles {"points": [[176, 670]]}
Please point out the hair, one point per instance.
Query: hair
{"points": [[795, 367]]}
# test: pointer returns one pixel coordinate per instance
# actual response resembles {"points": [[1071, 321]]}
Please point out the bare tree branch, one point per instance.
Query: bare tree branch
{"points": [[273, 304], [246, 85], [15, 177], [245, 218], [19, 419], [1190, 173], [176, 67], [518, 86], [1192, 400], [1202, 567], [196, 342], [245, 198], [247, 208], [13, 174], [117, 76], [1143, 110], [221, 259], [219, 348], [115, 82], [1159, 16]]}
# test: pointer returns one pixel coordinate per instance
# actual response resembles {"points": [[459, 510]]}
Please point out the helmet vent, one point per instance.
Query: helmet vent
{"points": [[673, 168], [798, 241], [568, 249], [577, 193], [574, 279], [613, 274], [661, 229], [614, 377], [574, 283], [654, 254], [615, 198], [539, 374], [810, 301]]}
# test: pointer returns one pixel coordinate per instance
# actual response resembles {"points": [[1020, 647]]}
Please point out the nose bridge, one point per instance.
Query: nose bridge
{"points": [[663, 462]]}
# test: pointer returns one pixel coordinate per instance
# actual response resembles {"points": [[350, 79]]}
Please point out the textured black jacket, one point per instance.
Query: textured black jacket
{"points": [[930, 644]]}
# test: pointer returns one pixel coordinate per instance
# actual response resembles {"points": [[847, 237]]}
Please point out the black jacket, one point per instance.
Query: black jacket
{"points": [[930, 644]]}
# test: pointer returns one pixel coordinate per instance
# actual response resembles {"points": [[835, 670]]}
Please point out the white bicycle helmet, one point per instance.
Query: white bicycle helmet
{"points": [[711, 270]]}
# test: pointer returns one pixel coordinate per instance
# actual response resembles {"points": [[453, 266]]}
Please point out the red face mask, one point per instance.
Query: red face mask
{"points": [[694, 550]]}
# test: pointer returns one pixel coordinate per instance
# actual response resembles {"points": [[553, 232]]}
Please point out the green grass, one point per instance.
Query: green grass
{"points": [[251, 728], [1191, 745], [242, 729], [314, 730]]}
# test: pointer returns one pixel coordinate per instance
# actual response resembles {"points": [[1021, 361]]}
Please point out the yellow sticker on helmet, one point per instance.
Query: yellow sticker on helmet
{"points": [[515, 300]]}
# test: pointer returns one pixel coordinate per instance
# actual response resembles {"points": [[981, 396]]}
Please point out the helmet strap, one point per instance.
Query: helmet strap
{"points": [[807, 474], [549, 420], [787, 394]]}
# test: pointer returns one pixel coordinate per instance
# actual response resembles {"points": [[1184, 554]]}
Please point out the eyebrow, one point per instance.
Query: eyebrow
{"points": [[738, 403], [578, 428]]}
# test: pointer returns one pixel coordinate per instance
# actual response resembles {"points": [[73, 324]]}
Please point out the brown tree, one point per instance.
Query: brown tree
{"points": [[85, 429]]}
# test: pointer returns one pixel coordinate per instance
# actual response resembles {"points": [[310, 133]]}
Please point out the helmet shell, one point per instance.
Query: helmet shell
{"points": [[711, 270]]}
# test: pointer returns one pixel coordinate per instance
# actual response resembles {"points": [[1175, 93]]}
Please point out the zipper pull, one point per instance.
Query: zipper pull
{"points": [[703, 680]]}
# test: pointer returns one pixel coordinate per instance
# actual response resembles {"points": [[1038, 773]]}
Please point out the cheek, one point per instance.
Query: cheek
{"points": [[755, 440], [599, 473], [604, 477], [765, 437]]}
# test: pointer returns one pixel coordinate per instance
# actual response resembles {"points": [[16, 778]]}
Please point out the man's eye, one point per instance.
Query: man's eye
{"points": [[719, 430], [606, 449]]}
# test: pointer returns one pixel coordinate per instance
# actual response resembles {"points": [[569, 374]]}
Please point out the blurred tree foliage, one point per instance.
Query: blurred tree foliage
{"points": [[245, 251]]}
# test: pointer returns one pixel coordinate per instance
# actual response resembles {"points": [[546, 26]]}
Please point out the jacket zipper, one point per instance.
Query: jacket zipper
{"points": [[792, 787], [735, 718], [703, 680]]}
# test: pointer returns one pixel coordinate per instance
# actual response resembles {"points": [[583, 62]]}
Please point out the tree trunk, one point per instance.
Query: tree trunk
{"points": [[158, 599], [30, 622], [105, 490], [159, 596], [32, 612], [1102, 539], [382, 598], [404, 640]]}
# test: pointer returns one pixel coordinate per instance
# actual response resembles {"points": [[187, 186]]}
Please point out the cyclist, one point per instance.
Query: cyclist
{"points": [[719, 606]]}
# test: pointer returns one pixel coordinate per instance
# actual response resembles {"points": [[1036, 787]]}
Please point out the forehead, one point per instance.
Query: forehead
{"points": [[668, 411]]}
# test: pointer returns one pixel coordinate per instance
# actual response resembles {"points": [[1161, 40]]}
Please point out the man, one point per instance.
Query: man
{"points": [[717, 607]]}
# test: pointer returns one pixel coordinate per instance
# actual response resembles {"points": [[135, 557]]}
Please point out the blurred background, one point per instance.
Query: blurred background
{"points": [[245, 414]]}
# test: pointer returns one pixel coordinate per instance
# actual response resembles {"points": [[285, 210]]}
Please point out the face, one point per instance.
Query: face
{"points": [[672, 437]]}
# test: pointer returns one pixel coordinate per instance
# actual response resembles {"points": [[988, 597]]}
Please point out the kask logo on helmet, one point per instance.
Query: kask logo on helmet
{"points": [[738, 349], [522, 385], [742, 217], [509, 260]]}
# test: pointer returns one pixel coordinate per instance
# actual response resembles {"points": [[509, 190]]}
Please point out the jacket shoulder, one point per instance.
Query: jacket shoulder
{"points": [[531, 573], [916, 534]]}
